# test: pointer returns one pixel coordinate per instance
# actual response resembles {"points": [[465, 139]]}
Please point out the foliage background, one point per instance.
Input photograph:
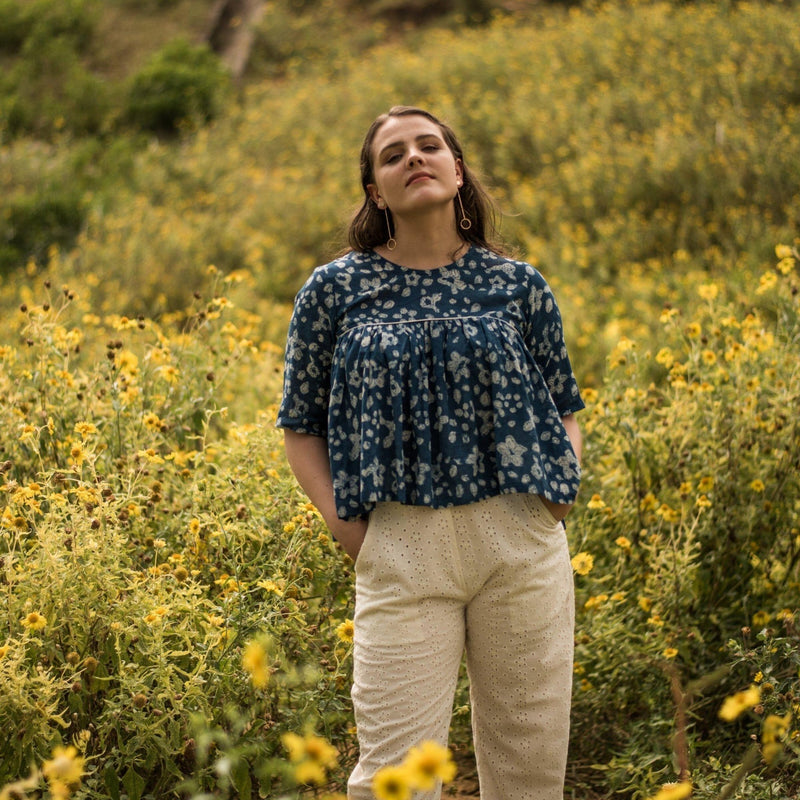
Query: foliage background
{"points": [[643, 155]]}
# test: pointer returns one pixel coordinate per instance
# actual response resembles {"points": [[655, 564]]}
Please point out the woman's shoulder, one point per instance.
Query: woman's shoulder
{"points": [[327, 277], [341, 267], [523, 271]]}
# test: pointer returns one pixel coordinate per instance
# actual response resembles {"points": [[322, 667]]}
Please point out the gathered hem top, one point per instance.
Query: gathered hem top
{"points": [[432, 387]]}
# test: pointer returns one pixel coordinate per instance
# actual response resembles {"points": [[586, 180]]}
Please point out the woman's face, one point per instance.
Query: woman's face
{"points": [[414, 169]]}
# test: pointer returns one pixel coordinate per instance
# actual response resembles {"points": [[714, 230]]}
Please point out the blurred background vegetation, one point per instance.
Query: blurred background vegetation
{"points": [[644, 155], [630, 137]]}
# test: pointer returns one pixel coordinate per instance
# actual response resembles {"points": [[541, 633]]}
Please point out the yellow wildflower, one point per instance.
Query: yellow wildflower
{"points": [[648, 502], [709, 357], [668, 314], [673, 791], [27, 432], [270, 586], [670, 652], [65, 765], [595, 601], [736, 704], [391, 783], [77, 455], [34, 621], [708, 291], [582, 563], [665, 357], [152, 421], [295, 745], [775, 728], [757, 485], [668, 514], [63, 771], [693, 330], [308, 772], [311, 755], [761, 618], [255, 660], [345, 631], [320, 751], [623, 542], [766, 282], [127, 363], [4, 649], [429, 763], [169, 373], [706, 483], [85, 429], [596, 502], [703, 502]]}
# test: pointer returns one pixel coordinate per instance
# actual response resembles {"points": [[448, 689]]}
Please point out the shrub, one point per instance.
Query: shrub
{"points": [[15, 26], [170, 602], [33, 223], [42, 20], [181, 84], [49, 92], [71, 20], [692, 519]]}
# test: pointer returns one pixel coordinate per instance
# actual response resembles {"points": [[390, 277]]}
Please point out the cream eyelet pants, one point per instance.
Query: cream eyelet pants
{"points": [[493, 577]]}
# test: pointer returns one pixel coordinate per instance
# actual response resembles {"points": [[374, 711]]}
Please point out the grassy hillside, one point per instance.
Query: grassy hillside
{"points": [[645, 156], [627, 147]]}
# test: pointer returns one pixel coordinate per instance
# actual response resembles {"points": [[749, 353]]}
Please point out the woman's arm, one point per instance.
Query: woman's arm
{"points": [[560, 510], [309, 460], [574, 433]]}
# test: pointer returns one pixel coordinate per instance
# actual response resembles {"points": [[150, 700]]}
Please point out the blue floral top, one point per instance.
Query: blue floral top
{"points": [[433, 387]]}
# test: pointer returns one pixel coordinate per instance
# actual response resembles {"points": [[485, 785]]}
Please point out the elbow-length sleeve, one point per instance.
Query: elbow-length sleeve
{"points": [[309, 353], [544, 338]]}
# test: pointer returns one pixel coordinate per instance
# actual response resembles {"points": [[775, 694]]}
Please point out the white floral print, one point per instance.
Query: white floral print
{"points": [[437, 387]]}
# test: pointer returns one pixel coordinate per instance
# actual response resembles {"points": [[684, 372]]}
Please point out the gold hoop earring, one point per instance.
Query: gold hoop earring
{"points": [[466, 223], [391, 243]]}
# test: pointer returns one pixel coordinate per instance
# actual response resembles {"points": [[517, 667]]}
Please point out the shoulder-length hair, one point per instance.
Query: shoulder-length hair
{"points": [[368, 227]]}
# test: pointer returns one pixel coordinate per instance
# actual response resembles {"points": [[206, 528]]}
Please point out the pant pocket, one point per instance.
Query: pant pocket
{"points": [[537, 507]]}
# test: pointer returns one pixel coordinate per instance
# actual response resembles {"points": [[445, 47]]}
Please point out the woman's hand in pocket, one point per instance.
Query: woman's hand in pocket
{"points": [[558, 510], [350, 535]]}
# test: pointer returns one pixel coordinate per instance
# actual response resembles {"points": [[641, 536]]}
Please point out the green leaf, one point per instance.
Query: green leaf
{"points": [[112, 782], [134, 784], [240, 778]]}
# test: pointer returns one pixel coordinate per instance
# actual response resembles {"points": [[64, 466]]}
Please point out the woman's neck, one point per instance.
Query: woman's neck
{"points": [[421, 246]]}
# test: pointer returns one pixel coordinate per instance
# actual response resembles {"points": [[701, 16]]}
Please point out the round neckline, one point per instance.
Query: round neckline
{"points": [[452, 264]]}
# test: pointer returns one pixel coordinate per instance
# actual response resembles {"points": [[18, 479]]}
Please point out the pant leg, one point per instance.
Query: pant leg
{"points": [[409, 638], [520, 632]]}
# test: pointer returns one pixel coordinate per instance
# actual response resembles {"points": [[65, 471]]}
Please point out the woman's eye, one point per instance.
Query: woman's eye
{"points": [[392, 158]]}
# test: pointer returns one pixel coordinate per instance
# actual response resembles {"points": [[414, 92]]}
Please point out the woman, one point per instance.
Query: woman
{"points": [[429, 411]]}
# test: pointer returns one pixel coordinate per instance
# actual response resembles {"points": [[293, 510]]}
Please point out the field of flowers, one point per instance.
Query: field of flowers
{"points": [[174, 618]]}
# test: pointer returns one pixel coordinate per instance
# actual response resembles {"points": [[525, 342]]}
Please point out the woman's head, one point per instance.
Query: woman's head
{"points": [[369, 226]]}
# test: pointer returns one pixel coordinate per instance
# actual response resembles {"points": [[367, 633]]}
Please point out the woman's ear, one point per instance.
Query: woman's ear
{"points": [[375, 196], [459, 172]]}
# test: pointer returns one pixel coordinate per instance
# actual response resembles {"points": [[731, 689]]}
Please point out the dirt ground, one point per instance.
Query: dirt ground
{"points": [[465, 786]]}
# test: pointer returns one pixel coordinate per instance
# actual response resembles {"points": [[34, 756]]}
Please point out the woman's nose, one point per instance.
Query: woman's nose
{"points": [[414, 157]]}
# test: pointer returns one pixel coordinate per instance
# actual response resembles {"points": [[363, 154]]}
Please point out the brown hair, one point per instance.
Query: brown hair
{"points": [[368, 228]]}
